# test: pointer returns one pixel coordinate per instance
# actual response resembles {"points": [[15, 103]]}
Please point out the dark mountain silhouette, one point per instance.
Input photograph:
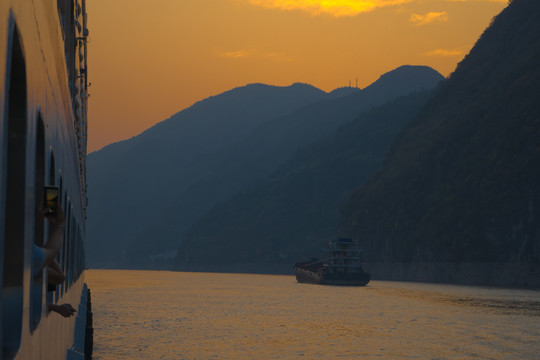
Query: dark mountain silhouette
{"points": [[159, 183], [271, 143], [130, 180], [295, 211], [343, 91], [461, 182]]}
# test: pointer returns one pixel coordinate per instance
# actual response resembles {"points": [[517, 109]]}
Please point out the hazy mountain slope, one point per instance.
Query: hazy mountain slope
{"points": [[272, 143], [295, 212], [145, 192], [462, 181], [129, 181], [268, 146]]}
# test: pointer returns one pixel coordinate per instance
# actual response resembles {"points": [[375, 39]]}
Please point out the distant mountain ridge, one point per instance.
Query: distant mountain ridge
{"points": [[139, 173], [293, 213], [265, 102], [155, 185], [461, 182]]}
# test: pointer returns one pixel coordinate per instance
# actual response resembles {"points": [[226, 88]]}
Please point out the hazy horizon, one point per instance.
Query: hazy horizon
{"points": [[350, 86], [149, 61]]}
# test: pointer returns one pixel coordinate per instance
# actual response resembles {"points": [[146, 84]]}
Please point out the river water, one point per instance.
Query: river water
{"points": [[175, 315]]}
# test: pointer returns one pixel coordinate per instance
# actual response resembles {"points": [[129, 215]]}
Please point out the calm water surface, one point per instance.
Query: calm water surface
{"points": [[174, 315]]}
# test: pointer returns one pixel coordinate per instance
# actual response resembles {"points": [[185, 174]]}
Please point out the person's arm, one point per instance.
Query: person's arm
{"points": [[66, 310], [56, 239], [56, 275]]}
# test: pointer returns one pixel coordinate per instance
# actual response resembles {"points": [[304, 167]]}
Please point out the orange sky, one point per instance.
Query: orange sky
{"points": [[151, 59]]}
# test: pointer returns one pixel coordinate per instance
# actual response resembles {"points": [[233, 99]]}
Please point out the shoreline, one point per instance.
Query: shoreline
{"points": [[509, 275]]}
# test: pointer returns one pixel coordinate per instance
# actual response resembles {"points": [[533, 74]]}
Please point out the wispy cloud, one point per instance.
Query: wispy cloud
{"points": [[236, 54], [243, 54], [332, 7], [430, 17], [444, 52]]}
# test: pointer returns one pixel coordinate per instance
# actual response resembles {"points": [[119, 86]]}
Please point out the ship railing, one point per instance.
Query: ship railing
{"points": [[342, 254], [348, 263], [345, 266], [344, 248], [316, 262]]}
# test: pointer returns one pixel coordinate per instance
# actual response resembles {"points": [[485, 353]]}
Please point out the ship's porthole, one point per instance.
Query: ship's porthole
{"points": [[36, 290], [14, 205]]}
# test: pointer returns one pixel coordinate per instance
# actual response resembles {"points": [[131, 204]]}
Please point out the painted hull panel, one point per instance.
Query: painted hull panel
{"points": [[43, 55], [310, 277]]}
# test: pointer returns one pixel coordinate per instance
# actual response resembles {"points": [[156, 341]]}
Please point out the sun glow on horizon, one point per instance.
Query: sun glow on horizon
{"points": [[335, 8], [493, 1]]}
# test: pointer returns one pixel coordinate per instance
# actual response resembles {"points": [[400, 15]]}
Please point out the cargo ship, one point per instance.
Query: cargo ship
{"points": [[342, 267], [43, 145]]}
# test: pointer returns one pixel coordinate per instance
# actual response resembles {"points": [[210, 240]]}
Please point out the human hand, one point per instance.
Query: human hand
{"points": [[66, 310], [55, 217]]}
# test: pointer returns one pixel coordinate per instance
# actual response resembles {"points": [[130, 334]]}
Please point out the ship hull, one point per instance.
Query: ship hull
{"points": [[43, 123], [321, 278], [306, 276], [343, 266], [347, 280]]}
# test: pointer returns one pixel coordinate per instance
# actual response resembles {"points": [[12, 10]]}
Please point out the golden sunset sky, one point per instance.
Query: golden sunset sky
{"points": [[151, 59]]}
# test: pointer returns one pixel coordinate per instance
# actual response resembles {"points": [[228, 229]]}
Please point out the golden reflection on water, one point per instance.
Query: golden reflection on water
{"points": [[175, 315]]}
